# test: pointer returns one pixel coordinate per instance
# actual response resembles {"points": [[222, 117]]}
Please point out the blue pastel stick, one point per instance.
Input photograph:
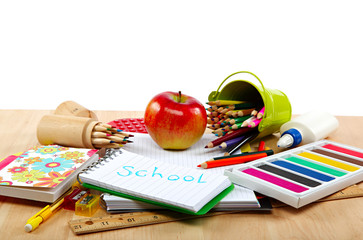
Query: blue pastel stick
{"points": [[303, 170]]}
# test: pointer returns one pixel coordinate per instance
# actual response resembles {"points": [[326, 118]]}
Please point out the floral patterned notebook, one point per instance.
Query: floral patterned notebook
{"points": [[42, 167]]}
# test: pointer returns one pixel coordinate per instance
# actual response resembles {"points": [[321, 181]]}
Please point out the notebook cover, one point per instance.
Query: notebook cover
{"points": [[43, 173], [42, 166], [202, 211]]}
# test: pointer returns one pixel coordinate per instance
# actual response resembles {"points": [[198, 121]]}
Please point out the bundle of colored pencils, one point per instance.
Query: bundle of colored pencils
{"points": [[106, 136], [234, 123]]}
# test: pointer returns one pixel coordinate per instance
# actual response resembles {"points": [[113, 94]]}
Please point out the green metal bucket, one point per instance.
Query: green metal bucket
{"points": [[277, 105]]}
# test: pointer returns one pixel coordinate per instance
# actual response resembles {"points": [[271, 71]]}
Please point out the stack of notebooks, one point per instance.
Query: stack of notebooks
{"points": [[143, 167], [115, 204], [43, 173]]}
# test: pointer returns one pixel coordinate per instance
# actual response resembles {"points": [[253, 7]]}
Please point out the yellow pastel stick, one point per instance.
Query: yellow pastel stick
{"points": [[329, 161], [246, 148]]}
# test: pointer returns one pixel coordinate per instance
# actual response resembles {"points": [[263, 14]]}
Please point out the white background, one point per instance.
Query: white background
{"points": [[116, 55]]}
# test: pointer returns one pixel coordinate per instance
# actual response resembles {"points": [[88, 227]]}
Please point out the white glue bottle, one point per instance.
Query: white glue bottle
{"points": [[307, 128]]}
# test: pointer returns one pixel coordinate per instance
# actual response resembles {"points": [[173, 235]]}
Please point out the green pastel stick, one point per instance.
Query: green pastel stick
{"points": [[316, 166]]}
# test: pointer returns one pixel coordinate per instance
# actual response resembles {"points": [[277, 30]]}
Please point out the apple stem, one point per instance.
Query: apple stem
{"points": [[179, 99]]}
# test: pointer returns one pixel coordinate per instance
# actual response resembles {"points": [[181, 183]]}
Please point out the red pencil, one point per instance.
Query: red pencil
{"points": [[231, 161]]}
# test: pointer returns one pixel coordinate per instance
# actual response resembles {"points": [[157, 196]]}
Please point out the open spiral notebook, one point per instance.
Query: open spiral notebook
{"points": [[240, 198], [182, 189]]}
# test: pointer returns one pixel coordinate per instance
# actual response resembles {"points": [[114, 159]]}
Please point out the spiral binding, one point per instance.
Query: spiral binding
{"points": [[110, 154]]}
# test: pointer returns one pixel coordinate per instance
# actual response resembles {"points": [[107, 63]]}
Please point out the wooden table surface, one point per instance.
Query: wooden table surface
{"points": [[337, 219]]}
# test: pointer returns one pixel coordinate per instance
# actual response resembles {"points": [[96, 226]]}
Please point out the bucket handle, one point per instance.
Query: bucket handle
{"points": [[263, 87]]}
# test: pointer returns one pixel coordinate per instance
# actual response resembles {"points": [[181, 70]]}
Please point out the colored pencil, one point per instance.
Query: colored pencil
{"points": [[216, 126], [261, 113], [237, 126], [105, 125], [112, 145], [248, 138], [116, 139], [218, 131], [232, 161], [106, 136], [254, 113], [245, 105], [254, 123], [231, 135], [245, 123], [268, 152], [237, 120], [213, 114], [100, 134], [100, 141], [216, 119], [224, 102], [110, 128], [99, 128], [212, 108], [223, 132], [231, 142], [228, 128], [123, 134], [239, 113]]}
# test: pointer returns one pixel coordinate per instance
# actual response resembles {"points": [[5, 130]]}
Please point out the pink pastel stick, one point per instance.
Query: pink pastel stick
{"points": [[275, 180]]}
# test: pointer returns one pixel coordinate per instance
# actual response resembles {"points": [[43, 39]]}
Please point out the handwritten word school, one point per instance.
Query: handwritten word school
{"points": [[128, 171]]}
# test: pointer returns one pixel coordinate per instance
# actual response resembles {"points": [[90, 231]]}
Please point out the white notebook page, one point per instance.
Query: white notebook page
{"points": [[157, 181], [196, 154]]}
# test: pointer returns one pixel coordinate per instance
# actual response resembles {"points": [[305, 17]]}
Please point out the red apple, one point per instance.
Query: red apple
{"points": [[175, 120]]}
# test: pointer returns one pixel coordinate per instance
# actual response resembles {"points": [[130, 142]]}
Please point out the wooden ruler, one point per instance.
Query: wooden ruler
{"points": [[349, 192], [126, 220]]}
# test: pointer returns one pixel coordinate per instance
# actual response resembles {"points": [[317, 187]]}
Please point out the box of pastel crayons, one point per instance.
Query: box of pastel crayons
{"points": [[304, 174]]}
